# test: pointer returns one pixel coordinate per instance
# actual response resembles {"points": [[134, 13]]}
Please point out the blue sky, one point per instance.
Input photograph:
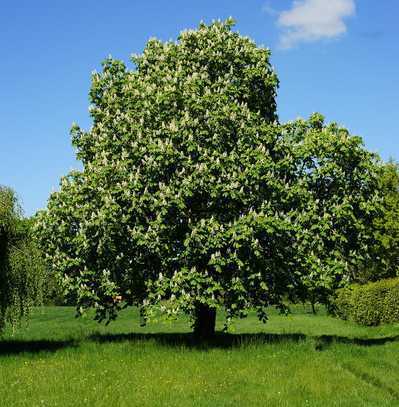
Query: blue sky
{"points": [[339, 57]]}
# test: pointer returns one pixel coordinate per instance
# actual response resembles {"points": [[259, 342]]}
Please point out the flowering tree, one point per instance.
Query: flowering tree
{"points": [[191, 195], [337, 202]]}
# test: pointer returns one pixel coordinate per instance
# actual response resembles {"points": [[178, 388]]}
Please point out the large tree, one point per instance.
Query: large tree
{"points": [[191, 196], [21, 265]]}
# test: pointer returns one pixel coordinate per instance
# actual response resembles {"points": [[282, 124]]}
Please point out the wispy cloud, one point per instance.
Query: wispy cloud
{"points": [[312, 20], [269, 9]]}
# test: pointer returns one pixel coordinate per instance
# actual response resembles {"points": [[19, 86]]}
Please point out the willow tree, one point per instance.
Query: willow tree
{"points": [[21, 266]]}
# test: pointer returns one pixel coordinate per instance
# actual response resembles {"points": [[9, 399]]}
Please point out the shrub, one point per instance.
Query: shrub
{"points": [[369, 304], [341, 305]]}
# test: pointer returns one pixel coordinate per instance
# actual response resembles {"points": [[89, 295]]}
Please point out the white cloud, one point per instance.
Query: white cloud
{"points": [[313, 20]]}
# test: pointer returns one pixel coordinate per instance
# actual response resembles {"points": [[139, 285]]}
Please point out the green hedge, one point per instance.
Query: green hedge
{"points": [[369, 304]]}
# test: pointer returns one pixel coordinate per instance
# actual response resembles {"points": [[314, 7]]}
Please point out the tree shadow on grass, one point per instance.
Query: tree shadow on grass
{"points": [[226, 340], [15, 347], [176, 340], [220, 340], [323, 341]]}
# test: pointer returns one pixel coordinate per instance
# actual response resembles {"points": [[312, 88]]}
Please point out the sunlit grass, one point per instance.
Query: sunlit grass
{"points": [[297, 360]]}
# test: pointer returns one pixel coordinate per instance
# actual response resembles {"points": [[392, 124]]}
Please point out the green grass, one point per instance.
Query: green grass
{"points": [[298, 360]]}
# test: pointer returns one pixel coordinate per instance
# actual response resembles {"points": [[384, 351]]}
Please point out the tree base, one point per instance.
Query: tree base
{"points": [[204, 321]]}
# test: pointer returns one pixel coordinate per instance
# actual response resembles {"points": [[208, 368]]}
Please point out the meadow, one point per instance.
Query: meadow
{"points": [[295, 360]]}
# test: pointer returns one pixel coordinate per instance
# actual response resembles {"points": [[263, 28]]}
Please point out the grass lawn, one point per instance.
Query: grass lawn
{"points": [[298, 360]]}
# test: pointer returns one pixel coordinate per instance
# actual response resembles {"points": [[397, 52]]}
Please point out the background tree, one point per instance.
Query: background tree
{"points": [[21, 265], [192, 196], [338, 201], [386, 250]]}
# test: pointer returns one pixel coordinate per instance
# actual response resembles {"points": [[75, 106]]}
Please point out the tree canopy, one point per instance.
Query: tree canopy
{"points": [[338, 200], [386, 227], [192, 195]]}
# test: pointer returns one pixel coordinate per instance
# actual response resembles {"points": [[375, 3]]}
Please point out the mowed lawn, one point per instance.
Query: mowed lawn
{"points": [[295, 360]]}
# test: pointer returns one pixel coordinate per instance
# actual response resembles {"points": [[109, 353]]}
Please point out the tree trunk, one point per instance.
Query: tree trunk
{"points": [[313, 308], [204, 321]]}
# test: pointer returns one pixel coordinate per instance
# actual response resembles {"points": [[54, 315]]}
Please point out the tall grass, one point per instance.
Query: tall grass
{"points": [[297, 360]]}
